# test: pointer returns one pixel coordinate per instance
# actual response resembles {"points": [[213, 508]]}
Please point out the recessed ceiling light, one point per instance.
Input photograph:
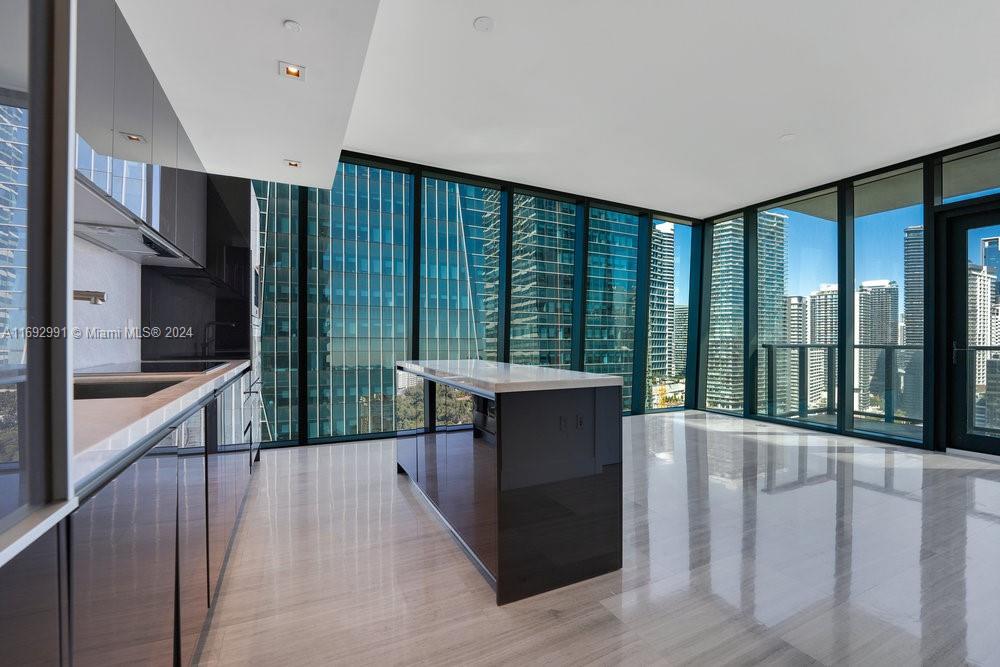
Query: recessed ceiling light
{"points": [[787, 137], [291, 70], [483, 24], [134, 137], [292, 26], [293, 163]]}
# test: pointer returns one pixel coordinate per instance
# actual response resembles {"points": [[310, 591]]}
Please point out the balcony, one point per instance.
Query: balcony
{"points": [[800, 384]]}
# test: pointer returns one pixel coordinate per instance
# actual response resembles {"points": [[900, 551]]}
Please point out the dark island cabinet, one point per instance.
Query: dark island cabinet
{"points": [[123, 551], [524, 465]]}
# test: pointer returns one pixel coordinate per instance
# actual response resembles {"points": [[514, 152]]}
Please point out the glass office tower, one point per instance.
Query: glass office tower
{"points": [[542, 259], [459, 270], [279, 242], [13, 278], [611, 283], [356, 326]]}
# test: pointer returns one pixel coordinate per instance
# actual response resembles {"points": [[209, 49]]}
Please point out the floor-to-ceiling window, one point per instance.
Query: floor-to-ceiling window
{"points": [[667, 322], [279, 239], [888, 336], [357, 311], [610, 299], [541, 289], [459, 270], [797, 309], [724, 361]]}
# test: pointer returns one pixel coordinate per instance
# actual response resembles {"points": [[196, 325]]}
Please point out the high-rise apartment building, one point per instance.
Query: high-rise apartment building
{"points": [[724, 364], [661, 300], [877, 313], [797, 308], [678, 355], [772, 315], [823, 328], [989, 250], [542, 260], [913, 284], [982, 290]]}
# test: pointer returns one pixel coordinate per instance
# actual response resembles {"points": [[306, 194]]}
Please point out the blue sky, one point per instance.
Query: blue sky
{"points": [[878, 250]]}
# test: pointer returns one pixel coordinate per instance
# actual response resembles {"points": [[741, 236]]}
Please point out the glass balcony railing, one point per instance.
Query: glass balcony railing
{"points": [[800, 383], [983, 400]]}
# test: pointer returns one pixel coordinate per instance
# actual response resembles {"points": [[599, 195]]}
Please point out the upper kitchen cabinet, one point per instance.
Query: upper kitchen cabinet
{"points": [[140, 185]]}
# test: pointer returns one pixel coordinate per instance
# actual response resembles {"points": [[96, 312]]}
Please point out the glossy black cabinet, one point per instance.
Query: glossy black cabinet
{"points": [[192, 535], [30, 603], [123, 551], [530, 482], [229, 466]]}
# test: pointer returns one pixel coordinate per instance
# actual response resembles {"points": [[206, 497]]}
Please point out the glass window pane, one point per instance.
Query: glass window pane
{"points": [[724, 362], [611, 280], [797, 317], [19, 474], [541, 301], [279, 242], [356, 324], [889, 304], [669, 271], [459, 271], [971, 173]]}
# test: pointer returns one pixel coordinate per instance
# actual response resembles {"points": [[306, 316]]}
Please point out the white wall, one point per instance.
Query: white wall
{"points": [[97, 269]]}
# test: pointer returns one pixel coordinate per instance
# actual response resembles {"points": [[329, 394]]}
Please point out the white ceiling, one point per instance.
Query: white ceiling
{"points": [[676, 105], [217, 62]]}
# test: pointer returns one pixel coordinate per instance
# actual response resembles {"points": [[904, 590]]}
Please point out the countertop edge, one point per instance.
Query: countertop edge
{"points": [[162, 419], [492, 388]]}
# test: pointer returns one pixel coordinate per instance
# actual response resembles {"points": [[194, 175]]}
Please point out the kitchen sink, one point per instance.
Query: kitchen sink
{"points": [[120, 388]]}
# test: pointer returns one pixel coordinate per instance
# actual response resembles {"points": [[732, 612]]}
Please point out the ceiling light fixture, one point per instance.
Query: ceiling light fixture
{"points": [[291, 70], [483, 24], [292, 26], [134, 137], [293, 163]]}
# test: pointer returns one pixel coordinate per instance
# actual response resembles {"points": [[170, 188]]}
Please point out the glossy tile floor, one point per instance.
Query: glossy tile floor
{"points": [[744, 542]]}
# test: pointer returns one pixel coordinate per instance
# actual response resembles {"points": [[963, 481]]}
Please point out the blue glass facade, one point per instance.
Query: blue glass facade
{"points": [[459, 270], [612, 260], [279, 242], [543, 256], [357, 309], [393, 254]]}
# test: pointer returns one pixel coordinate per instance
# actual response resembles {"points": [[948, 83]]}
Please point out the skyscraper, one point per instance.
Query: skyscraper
{"points": [[982, 290], [911, 390], [877, 324], [772, 314], [989, 249], [678, 357], [724, 367], [797, 308], [661, 300], [823, 326], [913, 284], [542, 260]]}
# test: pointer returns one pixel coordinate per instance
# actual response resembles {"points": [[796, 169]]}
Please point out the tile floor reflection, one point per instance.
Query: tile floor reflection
{"points": [[744, 542]]}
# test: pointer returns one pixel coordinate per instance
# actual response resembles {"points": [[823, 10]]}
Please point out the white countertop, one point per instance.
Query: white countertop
{"points": [[494, 377], [105, 429]]}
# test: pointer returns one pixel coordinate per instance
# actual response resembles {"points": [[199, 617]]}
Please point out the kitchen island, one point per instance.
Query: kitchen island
{"points": [[523, 464]]}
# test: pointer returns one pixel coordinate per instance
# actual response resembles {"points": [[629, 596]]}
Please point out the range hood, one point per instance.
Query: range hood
{"points": [[106, 223]]}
